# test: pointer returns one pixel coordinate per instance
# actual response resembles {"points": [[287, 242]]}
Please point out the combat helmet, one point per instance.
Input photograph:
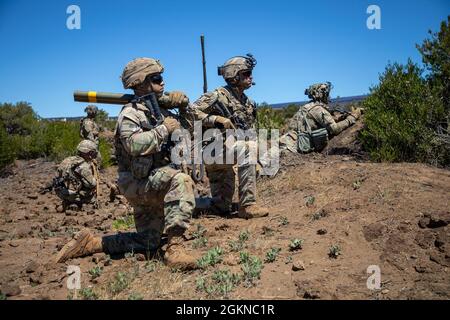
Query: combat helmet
{"points": [[91, 109], [138, 69], [319, 92], [233, 66], [86, 146]]}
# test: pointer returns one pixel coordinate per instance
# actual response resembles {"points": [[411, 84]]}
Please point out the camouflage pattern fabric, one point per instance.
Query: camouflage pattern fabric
{"points": [[204, 108], [222, 176], [317, 116], [89, 129], [162, 196], [79, 181]]}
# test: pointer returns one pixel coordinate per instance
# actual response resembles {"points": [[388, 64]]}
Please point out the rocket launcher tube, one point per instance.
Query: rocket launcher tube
{"points": [[114, 98]]}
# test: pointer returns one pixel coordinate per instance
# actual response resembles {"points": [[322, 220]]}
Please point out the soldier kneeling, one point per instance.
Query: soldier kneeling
{"points": [[76, 183]]}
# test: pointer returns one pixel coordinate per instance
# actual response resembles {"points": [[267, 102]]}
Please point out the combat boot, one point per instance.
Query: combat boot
{"points": [[252, 211], [83, 243], [176, 255]]}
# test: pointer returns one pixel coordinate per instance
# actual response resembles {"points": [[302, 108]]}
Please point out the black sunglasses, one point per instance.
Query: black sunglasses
{"points": [[247, 73], [157, 79]]}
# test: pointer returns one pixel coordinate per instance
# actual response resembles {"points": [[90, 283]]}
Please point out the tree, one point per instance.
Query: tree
{"points": [[436, 57]]}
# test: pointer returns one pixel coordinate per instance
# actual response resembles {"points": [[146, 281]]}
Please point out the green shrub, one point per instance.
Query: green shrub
{"points": [[211, 258], [7, 149], [23, 135], [251, 266], [400, 115]]}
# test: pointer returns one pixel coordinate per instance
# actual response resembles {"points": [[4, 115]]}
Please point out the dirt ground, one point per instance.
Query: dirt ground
{"points": [[394, 216]]}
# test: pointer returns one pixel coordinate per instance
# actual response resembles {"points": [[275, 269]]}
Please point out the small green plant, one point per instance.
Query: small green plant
{"points": [[284, 221], [244, 236], [252, 270], [225, 281], [236, 246], [356, 184], [221, 282], [288, 260], [120, 283], [2, 296], [123, 223], [244, 257], [296, 244], [310, 201], [95, 272], [200, 243], [135, 296], [211, 258], [272, 255], [200, 283], [150, 266], [199, 235], [88, 294], [200, 232], [319, 215], [335, 251]]}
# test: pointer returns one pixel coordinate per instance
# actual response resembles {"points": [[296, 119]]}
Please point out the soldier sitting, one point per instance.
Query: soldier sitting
{"points": [[312, 125], [76, 183]]}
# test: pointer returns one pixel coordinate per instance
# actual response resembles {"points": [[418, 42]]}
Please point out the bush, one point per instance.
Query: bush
{"points": [[23, 135], [401, 113], [408, 113]]}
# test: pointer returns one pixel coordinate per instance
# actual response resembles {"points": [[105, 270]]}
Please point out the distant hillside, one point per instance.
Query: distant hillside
{"points": [[338, 101]]}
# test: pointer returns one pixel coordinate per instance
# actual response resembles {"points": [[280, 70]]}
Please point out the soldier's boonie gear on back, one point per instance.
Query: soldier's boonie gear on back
{"points": [[233, 66], [137, 70]]}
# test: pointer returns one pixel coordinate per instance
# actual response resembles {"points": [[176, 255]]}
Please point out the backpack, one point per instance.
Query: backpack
{"points": [[311, 140]]}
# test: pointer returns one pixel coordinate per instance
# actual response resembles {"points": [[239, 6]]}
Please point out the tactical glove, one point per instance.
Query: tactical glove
{"points": [[222, 122], [171, 124], [178, 99], [356, 113]]}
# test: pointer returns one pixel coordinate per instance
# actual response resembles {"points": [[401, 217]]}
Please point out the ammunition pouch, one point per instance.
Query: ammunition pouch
{"points": [[319, 139], [141, 167], [304, 144]]}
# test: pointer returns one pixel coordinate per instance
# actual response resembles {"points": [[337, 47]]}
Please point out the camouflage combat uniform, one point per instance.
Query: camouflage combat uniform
{"points": [[89, 129], [161, 195], [222, 176], [77, 181], [317, 116]]}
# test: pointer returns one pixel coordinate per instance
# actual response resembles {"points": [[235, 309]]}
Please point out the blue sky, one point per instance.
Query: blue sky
{"points": [[296, 43]]}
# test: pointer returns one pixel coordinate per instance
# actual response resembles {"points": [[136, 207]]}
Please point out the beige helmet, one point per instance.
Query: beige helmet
{"points": [[319, 92], [86, 146], [233, 66], [137, 70]]}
